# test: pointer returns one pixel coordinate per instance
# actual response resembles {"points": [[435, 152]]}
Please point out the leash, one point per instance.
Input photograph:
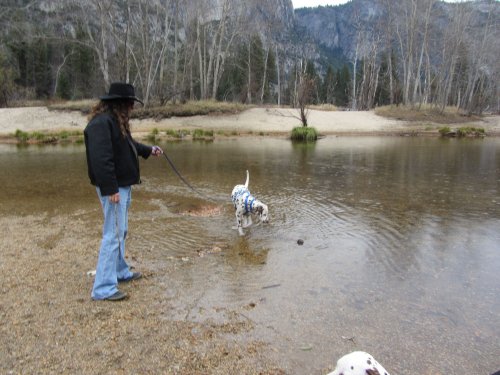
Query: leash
{"points": [[183, 179]]}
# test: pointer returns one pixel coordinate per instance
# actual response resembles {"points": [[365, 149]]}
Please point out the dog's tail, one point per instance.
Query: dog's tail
{"points": [[248, 179]]}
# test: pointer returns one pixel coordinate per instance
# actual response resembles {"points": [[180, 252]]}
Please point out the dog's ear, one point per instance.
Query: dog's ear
{"points": [[372, 372], [259, 210]]}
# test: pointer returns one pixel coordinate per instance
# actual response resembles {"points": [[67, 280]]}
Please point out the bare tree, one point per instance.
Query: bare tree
{"points": [[98, 33], [452, 42], [423, 48], [248, 99], [369, 42], [216, 30], [370, 76], [486, 48], [359, 39], [305, 91], [150, 30], [387, 32], [279, 75], [354, 61], [406, 29], [59, 68], [176, 53]]}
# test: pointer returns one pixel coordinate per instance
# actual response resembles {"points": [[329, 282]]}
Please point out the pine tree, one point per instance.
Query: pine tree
{"points": [[6, 80], [342, 87], [328, 86]]}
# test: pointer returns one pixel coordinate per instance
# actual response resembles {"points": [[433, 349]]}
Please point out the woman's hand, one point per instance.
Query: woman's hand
{"points": [[115, 198], [156, 151]]}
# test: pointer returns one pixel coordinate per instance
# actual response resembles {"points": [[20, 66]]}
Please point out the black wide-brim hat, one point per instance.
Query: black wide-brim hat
{"points": [[120, 90]]}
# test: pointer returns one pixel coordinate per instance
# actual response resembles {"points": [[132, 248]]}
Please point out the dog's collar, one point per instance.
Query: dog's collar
{"points": [[248, 206]]}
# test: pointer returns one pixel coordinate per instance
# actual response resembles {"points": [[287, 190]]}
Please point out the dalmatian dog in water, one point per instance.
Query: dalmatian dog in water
{"points": [[358, 363], [245, 205]]}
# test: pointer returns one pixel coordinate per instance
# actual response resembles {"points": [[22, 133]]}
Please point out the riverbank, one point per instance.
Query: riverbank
{"points": [[255, 120], [50, 325]]}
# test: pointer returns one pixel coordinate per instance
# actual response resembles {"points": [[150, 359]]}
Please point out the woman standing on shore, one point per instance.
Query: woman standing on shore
{"points": [[113, 167]]}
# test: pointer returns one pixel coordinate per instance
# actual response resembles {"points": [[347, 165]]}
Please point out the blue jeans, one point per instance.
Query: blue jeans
{"points": [[111, 265]]}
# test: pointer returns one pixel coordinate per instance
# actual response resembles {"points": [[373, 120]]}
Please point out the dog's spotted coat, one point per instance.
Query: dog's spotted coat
{"points": [[245, 205], [358, 363]]}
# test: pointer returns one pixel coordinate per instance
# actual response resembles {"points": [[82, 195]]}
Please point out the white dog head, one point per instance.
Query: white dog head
{"points": [[358, 363], [263, 213]]}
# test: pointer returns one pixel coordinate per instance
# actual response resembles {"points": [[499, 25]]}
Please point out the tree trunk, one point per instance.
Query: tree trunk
{"points": [[249, 73], [279, 76], [218, 56], [58, 72], [126, 48], [264, 77], [417, 84], [201, 62], [354, 104], [176, 52], [391, 80], [476, 68]]}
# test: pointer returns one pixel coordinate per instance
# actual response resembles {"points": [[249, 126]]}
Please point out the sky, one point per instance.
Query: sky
{"points": [[315, 3]]}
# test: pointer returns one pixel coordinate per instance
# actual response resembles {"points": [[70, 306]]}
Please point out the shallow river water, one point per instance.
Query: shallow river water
{"points": [[401, 252]]}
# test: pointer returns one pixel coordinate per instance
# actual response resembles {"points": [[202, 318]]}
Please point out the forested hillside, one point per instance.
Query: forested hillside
{"points": [[358, 55], [413, 51]]}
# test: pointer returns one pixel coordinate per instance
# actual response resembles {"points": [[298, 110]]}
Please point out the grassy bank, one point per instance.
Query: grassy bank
{"points": [[155, 135], [425, 114], [38, 137], [191, 108]]}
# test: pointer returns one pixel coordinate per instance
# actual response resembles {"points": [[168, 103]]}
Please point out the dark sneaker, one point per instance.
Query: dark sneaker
{"points": [[135, 276], [118, 296]]}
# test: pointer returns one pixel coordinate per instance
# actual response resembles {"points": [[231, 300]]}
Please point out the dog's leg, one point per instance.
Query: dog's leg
{"points": [[248, 179], [239, 223], [247, 221]]}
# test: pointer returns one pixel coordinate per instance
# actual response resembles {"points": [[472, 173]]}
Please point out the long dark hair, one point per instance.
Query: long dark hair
{"points": [[119, 108]]}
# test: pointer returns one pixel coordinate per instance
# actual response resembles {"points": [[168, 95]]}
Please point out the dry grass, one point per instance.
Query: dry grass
{"points": [[190, 108], [27, 103], [425, 114], [324, 107], [83, 106]]}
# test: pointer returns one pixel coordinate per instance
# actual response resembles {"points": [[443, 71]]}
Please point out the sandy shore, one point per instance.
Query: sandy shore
{"points": [[49, 325], [268, 120]]}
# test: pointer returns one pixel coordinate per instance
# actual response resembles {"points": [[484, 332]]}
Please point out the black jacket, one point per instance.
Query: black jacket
{"points": [[112, 159]]}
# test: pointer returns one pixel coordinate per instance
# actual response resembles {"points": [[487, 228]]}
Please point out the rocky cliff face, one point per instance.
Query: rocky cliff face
{"points": [[269, 17], [334, 26], [272, 19]]}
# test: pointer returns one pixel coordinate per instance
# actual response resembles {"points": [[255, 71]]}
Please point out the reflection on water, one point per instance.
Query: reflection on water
{"points": [[401, 241]]}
